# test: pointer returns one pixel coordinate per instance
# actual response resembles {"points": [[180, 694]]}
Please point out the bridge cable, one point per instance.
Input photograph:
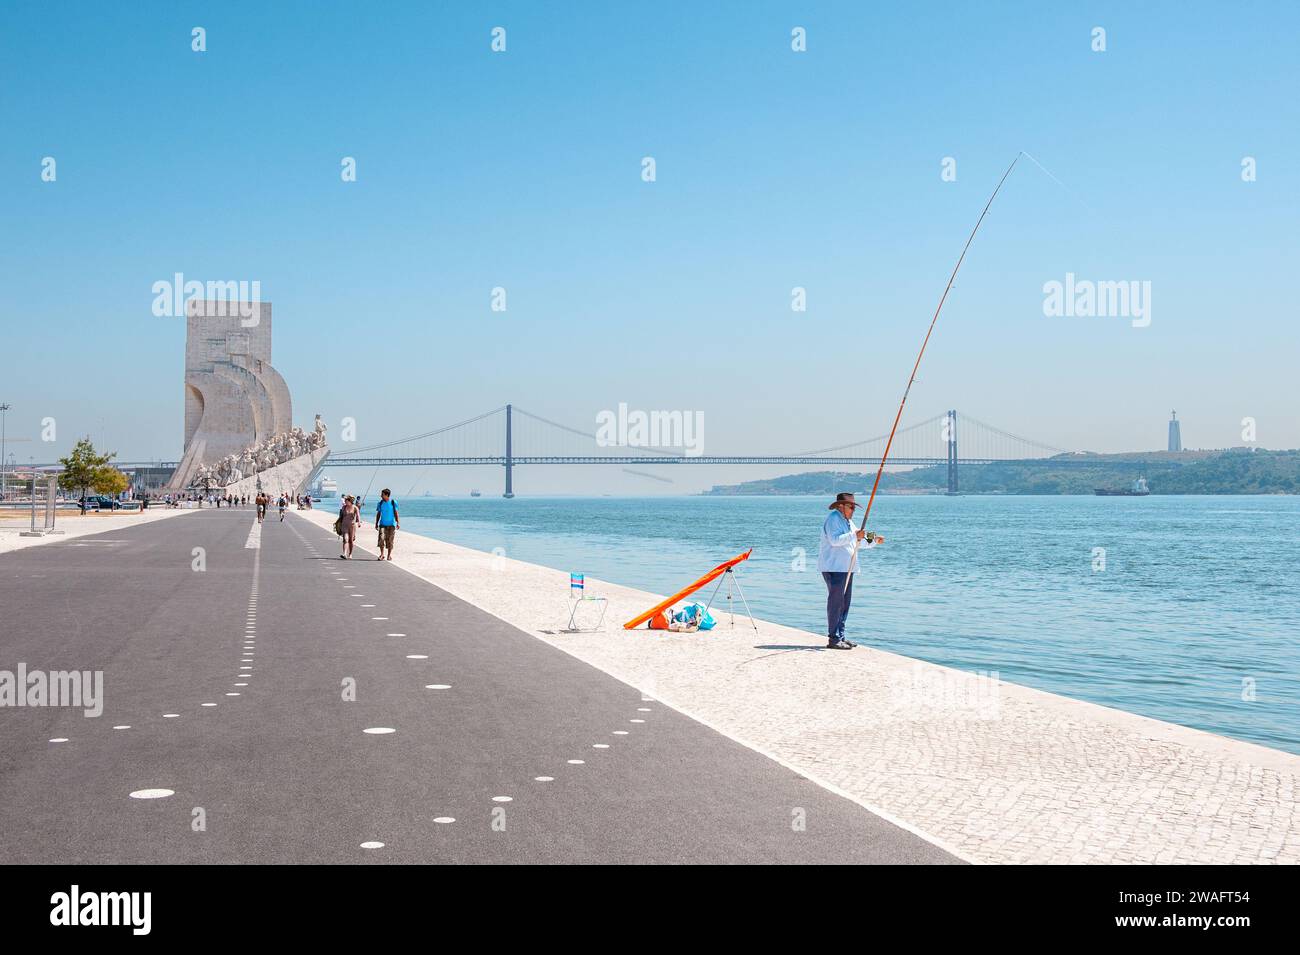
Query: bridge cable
{"points": [[427, 434]]}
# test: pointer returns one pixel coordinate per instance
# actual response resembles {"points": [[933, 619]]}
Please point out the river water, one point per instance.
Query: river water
{"points": [[1193, 618]]}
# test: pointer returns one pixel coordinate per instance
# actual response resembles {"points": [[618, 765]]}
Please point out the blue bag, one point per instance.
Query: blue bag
{"points": [[689, 613]]}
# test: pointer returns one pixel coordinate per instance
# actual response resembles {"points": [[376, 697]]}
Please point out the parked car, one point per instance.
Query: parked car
{"points": [[101, 502]]}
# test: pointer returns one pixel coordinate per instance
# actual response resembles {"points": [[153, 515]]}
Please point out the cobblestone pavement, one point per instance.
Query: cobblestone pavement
{"points": [[991, 771]]}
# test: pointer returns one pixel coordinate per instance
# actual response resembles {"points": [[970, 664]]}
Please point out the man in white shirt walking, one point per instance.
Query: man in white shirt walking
{"points": [[838, 563]]}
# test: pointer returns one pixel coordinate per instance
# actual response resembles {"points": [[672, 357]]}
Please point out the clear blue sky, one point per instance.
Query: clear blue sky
{"points": [[775, 169]]}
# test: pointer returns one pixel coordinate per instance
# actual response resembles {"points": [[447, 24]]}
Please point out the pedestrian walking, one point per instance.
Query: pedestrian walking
{"points": [[387, 522], [347, 525]]}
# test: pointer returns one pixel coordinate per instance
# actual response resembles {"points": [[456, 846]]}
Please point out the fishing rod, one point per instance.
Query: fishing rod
{"points": [[370, 485], [915, 367]]}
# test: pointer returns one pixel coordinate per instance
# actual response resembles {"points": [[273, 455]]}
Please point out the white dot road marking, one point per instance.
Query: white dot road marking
{"points": [[232, 693], [444, 819], [437, 686], [372, 845], [397, 634], [503, 799], [207, 704], [643, 709], [59, 739], [379, 730], [241, 684], [378, 618], [356, 595], [600, 746], [123, 726], [636, 721], [152, 793], [544, 779], [416, 656], [576, 762], [170, 716], [620, 732]]}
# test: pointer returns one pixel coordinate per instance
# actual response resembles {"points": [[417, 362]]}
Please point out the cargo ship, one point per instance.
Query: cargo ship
{"points": [[1139, 489]]}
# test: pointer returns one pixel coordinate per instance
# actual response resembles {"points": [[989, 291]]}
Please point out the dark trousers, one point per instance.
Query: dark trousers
{"points": [[837, 601]]}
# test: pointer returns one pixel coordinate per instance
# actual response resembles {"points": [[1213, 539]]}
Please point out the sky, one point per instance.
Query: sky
{"points": [[821, 169]]}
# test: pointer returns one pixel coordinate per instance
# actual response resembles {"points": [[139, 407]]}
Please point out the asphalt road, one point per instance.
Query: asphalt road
{"points": [[285, 770]]}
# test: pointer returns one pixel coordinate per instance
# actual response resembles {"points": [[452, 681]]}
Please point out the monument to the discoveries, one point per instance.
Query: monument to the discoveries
{"points": [[238, 413]]}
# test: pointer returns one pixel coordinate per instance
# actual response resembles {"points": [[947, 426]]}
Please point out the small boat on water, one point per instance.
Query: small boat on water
{"points": [[1139, 489], [475, 492]]}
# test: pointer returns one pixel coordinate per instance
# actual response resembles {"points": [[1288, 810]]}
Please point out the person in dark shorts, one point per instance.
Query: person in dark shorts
{"points": [[387, 522]]}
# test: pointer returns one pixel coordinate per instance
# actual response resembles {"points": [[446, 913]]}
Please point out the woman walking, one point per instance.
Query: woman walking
{"points": [[349, 522]]}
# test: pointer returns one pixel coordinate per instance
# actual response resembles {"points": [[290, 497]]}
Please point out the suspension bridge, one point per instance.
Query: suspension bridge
{"points": [[511, 437]]}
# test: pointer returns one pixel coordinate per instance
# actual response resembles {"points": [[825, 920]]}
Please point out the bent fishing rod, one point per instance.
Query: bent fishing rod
{"points": [[915, 367]]}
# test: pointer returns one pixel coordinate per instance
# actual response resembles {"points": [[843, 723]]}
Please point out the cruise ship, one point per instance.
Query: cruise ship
{"points": [[325, 487]]}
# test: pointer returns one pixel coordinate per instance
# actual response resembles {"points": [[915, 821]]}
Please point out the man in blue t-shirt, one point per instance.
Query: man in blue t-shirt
{"points": [[386, 522]]}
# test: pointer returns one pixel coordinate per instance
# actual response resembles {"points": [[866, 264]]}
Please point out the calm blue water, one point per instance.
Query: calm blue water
{"points": [[1198, 594]]}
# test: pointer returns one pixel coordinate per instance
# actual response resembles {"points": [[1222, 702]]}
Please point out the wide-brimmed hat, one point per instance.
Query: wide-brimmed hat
{"points": [[844, 497]]}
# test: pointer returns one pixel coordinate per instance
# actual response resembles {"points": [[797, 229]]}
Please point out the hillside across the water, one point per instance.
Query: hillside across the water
{"points": [[1234, 471]]}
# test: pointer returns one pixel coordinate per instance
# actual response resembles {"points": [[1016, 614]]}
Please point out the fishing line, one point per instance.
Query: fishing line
{"points": [[1057, 181]]}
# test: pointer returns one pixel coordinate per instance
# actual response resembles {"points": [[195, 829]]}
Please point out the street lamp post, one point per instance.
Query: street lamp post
{"points": [[3, 415]]}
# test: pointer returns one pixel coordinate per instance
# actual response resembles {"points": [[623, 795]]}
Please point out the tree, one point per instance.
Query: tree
{"points": [[109, 480], [85, 468]]}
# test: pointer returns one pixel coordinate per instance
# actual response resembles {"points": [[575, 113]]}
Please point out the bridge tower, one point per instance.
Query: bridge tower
{"points": [[952, 452], [510, 458]]}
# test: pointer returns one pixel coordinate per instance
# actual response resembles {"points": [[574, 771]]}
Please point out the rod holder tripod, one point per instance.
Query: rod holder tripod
{"points": [[732, 582]]}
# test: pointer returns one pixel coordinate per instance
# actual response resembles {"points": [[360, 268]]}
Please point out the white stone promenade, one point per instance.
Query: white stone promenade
{"points": [[994, 772]]}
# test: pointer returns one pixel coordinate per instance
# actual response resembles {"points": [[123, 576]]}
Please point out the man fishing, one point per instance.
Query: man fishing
{"points": [[837, 559]]}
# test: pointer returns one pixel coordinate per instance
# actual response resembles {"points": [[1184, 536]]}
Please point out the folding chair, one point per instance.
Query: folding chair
{"points": [[577, 597]]}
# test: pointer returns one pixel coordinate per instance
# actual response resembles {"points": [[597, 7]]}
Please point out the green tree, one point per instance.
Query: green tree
{"points": [[85, 468], [109, 480]]}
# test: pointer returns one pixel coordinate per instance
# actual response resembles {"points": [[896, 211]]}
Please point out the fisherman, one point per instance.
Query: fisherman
{"points": [[838, 562]]}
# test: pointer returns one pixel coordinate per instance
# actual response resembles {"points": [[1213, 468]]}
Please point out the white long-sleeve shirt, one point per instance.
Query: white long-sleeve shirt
{"points": [[836, 550]]}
